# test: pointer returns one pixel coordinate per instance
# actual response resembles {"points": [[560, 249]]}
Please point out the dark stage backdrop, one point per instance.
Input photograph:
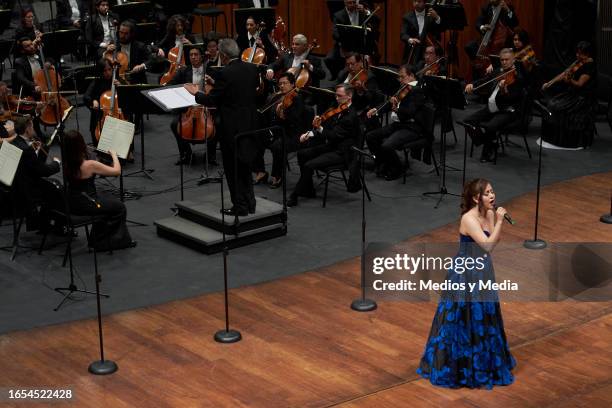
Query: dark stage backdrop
{"points": [[311, 17], [604, 37]]}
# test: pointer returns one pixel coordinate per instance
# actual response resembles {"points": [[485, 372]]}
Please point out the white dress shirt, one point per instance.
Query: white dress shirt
{"points": [[107, 34], [354, 17], [260, 3], [492, 104], [197, 75], [76, 13]]}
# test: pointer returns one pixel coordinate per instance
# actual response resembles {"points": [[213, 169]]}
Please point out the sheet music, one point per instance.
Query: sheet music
{"points": [[173, 98], [116, 135], [9, 160]]}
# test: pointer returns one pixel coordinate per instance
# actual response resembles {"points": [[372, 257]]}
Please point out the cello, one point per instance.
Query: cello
{"points": [[54, 104], [176, 57], [255, 54], [302, 76], [197, 124], [109, 104]]}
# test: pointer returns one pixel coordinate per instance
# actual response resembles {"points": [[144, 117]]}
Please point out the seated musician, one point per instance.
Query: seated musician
{"points": [[483, 23], [416, 26], [572, 105], [99, 25], [328, 145], [32, 167], [353, 13], [71, 13], [190, 74], [248, 38], [96, 88], [112, 232], [7, 130], [292, 119], [211, 55], [503, 104], [299, 55], [27, 29], [138, 54], [404, 127], [177, 32], [431, 63]]}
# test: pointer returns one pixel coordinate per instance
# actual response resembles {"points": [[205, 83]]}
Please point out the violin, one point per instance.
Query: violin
{"points": [[286, 102], [509, 76], [361, 76], [570, 71], [401, 93], [255, 54], [430, 69], [54, 104], [197, 124], [176, 57], [331, 112], [526, 56], [109, 104], [302, 75]]}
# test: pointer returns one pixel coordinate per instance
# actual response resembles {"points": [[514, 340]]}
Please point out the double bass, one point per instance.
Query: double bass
{"points": [[109, 104], [493, 41], [49, 81]]}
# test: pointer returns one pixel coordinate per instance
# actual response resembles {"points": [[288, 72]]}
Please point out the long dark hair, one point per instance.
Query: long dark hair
{"points": [[171, 27], [75, 153], [473, 188]]}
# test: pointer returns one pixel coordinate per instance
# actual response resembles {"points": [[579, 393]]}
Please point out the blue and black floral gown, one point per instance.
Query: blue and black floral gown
{"points": [[467, 345]]}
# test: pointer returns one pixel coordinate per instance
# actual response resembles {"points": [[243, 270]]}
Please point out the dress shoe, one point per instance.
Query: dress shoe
{"points": [[232, 212], [261, 179], [275, 183], [292, 201]]}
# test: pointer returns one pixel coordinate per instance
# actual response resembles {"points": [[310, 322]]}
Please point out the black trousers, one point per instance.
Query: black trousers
{"points": [[313, 158], [292, 144], [238, 175], [383, 143], [490, 122], [184, 147]]}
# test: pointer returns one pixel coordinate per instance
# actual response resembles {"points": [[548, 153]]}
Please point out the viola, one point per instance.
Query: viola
{"points": [[54, 104], [109, 105], [361, 76], [509, 76], [302, 75], [401, 93], [430, 69], [570, 71], [176, 57]]}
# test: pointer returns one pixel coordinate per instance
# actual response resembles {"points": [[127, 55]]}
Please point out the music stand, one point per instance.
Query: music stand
{"points": [[334, 6], [387, 80], [136, 11], [133, 102], [353, 39], [453, 18], [60, 42], [447, 94], [266, 14], [5, 19]]}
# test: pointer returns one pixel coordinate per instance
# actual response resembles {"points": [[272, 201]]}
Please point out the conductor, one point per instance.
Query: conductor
{"points": [[234, 94]]}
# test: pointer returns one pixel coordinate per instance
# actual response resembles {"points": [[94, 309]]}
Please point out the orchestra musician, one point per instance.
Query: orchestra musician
{"points": [[329, 143], [431, 59], [176, 31], [96, 88], [417, 25], [32, 168], [7, 130], [211, 56], [71, 13], [572, 106], [138, 54], [235, 95], [111, 233], [290, 113], [483, 23], [299, 55], [503, 103], [193, 73], [99, 26], [248, 38], [404, 127], [27, 28]]}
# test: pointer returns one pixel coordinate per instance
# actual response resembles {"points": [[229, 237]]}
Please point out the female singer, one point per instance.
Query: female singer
{"points": [[467, 344], [571, 124], [112, 233]]}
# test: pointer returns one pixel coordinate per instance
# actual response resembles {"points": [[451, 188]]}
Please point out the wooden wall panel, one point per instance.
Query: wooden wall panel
{"points": [[311, 18]]}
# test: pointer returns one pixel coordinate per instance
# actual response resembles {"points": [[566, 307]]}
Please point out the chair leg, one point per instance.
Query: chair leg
{"points": [[472, 148], [406, 165], [43, 241], [344, 178], [435, 162], [16, 232], [325, 190], [527, 145]]}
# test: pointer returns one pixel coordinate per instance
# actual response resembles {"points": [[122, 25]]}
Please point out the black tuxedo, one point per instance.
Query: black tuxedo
{"points": [[250, 4], [285, 62], [384, 141], [486, 15], [410, 29], [95, 89], [235, 96], [22, 76], [139, 54], [94, 31], [64, 12], [31, 169], [328, 148], [243, 43]]}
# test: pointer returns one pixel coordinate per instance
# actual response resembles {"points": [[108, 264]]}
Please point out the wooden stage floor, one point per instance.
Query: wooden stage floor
{"points": [[304, 347]]}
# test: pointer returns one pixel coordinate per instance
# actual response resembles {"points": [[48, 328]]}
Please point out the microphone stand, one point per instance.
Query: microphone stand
{"points": [[102, 366], [363, 304], [536, 243], [607, 218], [227, 335]]}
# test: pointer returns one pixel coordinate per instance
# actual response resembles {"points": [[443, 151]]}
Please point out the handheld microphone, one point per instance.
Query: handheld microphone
{"points": [[508, 218]]}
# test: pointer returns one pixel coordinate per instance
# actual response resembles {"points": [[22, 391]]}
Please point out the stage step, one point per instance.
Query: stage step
{"points": [[198, 226], [209, 214]]}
